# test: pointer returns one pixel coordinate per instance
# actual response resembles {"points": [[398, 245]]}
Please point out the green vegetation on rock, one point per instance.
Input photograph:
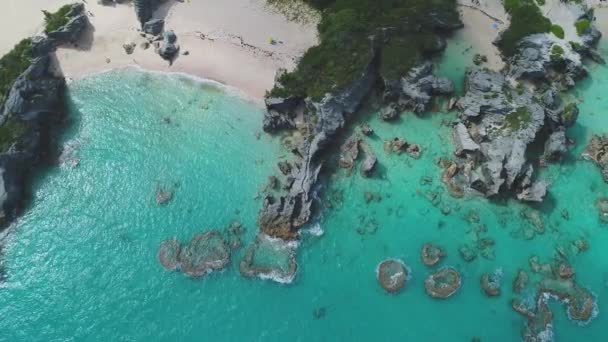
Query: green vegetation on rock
{"points": [[526, 19], [12, 65], [582, 26], [402, 31], [556, 52], [558, 31], [9, 133], [53, 21], [518, 119]]}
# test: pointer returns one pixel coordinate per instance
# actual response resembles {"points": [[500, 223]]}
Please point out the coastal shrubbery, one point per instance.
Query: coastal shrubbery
{"points": [[526, 19], [12, 65], [401, 30], [558, 31], [53, 21], [582, 26], [10, 132]]}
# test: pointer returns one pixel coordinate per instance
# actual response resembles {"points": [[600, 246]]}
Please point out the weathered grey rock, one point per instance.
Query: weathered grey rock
{"points": [[420, 85], [555, 146], [389, 113], [463, 141], [71, 32], [369, 162], [283, 217], [144, 9], [129, 48], [154, 26], [168, 48], [349, 151]]}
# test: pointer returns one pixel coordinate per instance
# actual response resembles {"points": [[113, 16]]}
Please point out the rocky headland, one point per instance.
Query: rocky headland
{"points": [[32, 107]]}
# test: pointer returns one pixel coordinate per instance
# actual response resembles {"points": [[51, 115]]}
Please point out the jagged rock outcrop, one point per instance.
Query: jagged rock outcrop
{"points": [[497, 123], [34, 105], [144, 9], [282, 217], [419, 86], [71, 32]]}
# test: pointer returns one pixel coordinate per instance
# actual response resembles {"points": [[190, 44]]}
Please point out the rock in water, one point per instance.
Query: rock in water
{"points": [[270, 258], [206, 253], [168, 254], [392, 275], [443, 283], [431, 255]]}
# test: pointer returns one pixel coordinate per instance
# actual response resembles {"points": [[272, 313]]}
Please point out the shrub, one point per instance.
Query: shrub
{"points": [[53, 21], [558, 31], [582, 26], [12, 65], [526, 19]]}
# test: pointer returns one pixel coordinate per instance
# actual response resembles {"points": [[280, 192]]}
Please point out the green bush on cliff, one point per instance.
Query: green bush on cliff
{"points": [[526, 19], [558, 31], [518, 119], [10, 132], [401, 31], [53, 21], [582, 26], [12, 65]]}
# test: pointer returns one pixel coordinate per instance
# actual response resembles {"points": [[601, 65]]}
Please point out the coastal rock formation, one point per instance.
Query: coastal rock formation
{"points": [[31, 111], [204, 254], [431, 255], [168, 48], [145, 8], [392, 275], [415, 90], [270, 258], [596, 152], [72, 30], [282, 217], [497, 124], [443, 283]]}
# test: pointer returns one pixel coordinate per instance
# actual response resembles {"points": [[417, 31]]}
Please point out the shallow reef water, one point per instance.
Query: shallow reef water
{"points": [[82, 263]]}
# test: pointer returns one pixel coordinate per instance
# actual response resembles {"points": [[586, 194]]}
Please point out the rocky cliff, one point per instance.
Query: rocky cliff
{"points": [[33, 107]]}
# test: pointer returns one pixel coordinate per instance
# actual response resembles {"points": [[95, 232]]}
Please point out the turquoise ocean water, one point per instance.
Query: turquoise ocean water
{"points": [[81, 264]]}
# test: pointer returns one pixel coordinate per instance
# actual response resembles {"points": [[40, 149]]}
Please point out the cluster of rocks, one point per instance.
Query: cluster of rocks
{"points": [[204, 254], [398, 145], [491, 282], [499, 122], [349, 152], [497, 125], [557, 282], [35, 101]]}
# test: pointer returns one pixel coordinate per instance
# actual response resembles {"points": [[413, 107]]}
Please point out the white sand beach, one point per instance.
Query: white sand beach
{"points": [[227, 41], [482, 24]]}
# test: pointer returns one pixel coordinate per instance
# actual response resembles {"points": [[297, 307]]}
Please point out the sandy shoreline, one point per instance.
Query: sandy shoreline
{"points": [[227, 41], [236, 49]]}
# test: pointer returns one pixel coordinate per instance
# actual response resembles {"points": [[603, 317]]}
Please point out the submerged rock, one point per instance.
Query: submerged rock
{"points": [[431, 255], [443, 283], [392, 275], [490, 283], [520, 282], [206, 253], [270, 258], [596, 152], [369, 162], [168, 254]]}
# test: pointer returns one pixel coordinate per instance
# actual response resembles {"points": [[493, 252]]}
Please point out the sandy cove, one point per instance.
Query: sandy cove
{"points": [[227, 41]]}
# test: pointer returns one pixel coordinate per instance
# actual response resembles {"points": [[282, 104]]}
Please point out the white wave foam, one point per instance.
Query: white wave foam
{"points": [[313, 230], [229, 90]]}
